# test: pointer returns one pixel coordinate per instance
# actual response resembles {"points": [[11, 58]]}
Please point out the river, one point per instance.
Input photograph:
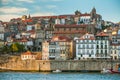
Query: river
{"points": [[57, 76]]}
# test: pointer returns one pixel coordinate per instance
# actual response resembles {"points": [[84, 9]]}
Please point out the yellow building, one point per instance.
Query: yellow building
{"points": [[61, 47]]}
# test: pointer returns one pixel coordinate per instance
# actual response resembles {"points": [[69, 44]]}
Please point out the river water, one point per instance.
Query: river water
{"points": [[57, 76]]}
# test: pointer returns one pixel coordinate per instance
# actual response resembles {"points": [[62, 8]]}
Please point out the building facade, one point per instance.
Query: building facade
{"points": [[102, 46], [45, 50], [86, 47], [61, 48], [115, 51]]}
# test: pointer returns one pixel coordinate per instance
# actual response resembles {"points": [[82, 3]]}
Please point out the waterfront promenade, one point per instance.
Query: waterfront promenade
{"points": [[16, 64]]}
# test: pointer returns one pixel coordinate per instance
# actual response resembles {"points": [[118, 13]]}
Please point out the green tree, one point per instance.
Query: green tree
{"points": [[20, 47], [14, 47], [5, 49]]}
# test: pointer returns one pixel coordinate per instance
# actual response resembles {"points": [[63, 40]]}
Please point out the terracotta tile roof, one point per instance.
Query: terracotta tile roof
{"points": [[102, 34], [27, 20], [45, 17], [91, 37], [62, 16], [60, 38], [69, 32], [27, 53], [73, 25], [86, 14], [21, 40], [31, 31], [114, 44], [72, 15]]}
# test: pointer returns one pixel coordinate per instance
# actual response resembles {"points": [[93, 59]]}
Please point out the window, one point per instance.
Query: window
{"points": [[83, 46], [105, 51], [92, 46], [101, 51], [89, 55], [111, 51], [115, 57], [92, 52], [115, 51], [81, 55], [97, 46], [105, 46], [102, 46], [87, 46]]}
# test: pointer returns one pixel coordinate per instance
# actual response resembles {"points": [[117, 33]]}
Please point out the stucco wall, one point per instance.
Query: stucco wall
{"points": [[46, 65]]}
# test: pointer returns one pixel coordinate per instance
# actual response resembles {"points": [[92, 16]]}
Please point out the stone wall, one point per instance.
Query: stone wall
{"points": [[47, 65]]}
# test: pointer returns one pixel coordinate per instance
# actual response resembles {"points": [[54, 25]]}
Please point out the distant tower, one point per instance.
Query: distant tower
{"points": [[29, 16], [93, 14], [77, 12]]}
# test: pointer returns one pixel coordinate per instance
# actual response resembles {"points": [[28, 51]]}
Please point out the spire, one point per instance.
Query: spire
{"points": [[29, 16], [94, 10]]}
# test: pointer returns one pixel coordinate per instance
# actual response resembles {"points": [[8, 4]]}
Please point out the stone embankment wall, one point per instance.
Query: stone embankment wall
{"points": [[68, 65]]}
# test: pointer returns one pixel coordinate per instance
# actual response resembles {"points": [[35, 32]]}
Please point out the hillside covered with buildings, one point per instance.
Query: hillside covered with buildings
{"points": [[61, 37]]}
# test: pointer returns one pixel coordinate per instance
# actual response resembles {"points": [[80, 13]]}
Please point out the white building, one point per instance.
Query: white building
{"points": [[1, 35], [28, 55], [115, 51], [86, 47], [103, 45]]}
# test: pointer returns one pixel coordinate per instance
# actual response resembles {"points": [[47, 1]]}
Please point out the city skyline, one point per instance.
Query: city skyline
{"points": [[109, 10]]}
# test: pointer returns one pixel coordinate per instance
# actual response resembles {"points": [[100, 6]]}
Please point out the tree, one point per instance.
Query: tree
{"points": [[14, 47]]}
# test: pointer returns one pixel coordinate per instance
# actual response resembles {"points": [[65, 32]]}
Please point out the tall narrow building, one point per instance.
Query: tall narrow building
{"points": [[102, 46]]}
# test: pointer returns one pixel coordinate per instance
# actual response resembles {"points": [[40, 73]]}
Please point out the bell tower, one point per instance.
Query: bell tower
{"points": [[93, 14]]}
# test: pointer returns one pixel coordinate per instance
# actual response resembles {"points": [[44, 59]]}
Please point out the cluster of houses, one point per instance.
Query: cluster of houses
{"points": [[63, 37]]}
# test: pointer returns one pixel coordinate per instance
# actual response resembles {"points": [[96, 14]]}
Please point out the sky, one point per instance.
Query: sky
{"points": [[108, 9]]}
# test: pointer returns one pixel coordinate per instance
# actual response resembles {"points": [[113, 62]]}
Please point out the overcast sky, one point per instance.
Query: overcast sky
{"points": [[109, 9]]}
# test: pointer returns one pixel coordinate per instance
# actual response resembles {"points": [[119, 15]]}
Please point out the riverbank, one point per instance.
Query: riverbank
{"points": [[16, 64]]}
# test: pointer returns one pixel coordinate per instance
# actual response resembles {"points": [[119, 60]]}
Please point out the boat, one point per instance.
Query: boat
{"points": [[110, 71], [114, 71], [57, 71], [105, 71]]}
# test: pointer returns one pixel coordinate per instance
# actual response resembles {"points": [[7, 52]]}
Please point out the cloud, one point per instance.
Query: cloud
{"points": [[15, 10], [51, 6], [6, 1], [7, 17], [28, 1], [15, 1]]}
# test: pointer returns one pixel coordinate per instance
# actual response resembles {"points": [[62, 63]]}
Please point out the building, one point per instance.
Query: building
{"points": [[45, 50], [115, 51], [60, 47], [86, 47], [28, 56], [40, 37], [102, 46], [74, 30]]}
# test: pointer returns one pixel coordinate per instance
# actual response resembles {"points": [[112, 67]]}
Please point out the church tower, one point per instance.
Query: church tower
{"points": [[93, 14], [77, 12]]}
